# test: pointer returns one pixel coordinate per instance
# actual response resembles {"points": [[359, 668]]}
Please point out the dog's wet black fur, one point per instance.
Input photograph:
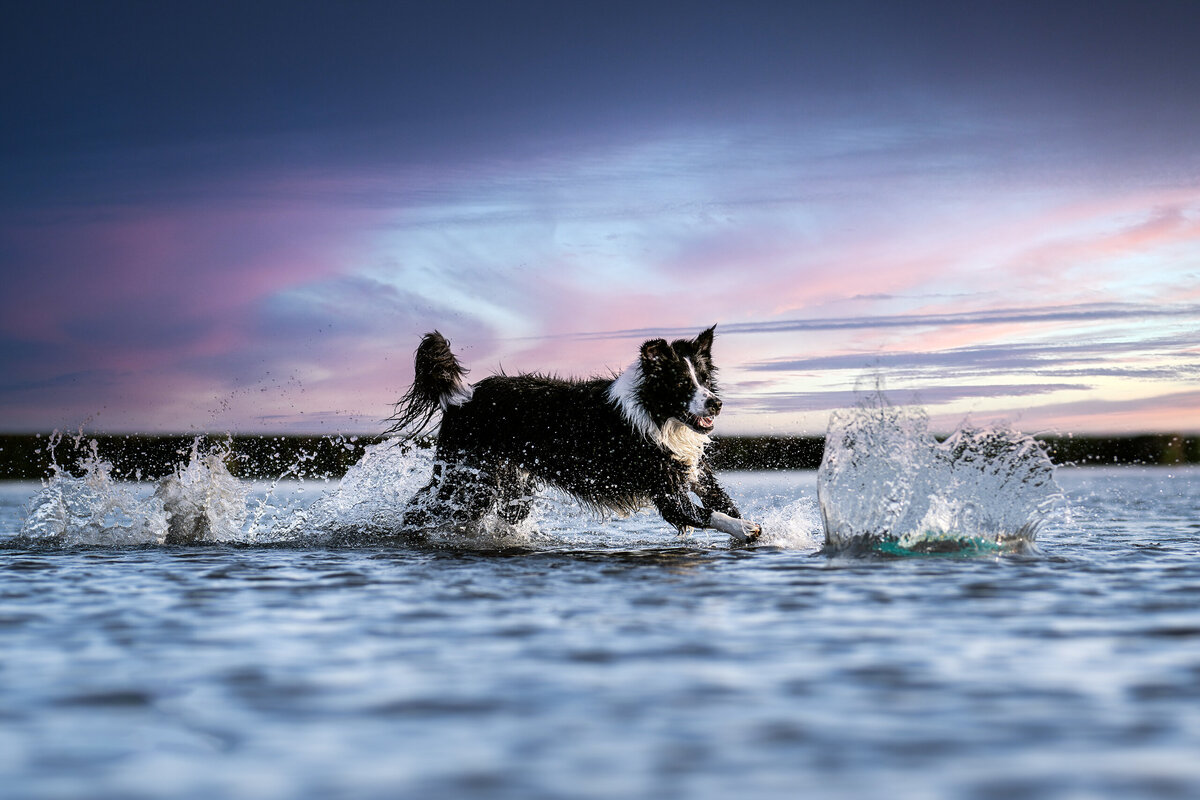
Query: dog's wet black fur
{"points": [[616, 444]]}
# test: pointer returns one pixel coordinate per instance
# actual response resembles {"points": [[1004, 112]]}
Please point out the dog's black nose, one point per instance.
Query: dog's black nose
{"points": [[713, 405]]}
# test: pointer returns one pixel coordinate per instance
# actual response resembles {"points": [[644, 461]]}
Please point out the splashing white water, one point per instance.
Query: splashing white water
{"points": [[202, 501], [367, 503], [792, 526], [92, 509], [885, 483]]}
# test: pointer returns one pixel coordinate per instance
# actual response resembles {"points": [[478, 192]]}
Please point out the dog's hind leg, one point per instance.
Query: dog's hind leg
{"points": [[516, 495], [456, 494], [466, 492], [424, 507]]}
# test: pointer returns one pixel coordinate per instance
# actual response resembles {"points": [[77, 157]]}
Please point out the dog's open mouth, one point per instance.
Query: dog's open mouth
{"points": [[699, 424]]}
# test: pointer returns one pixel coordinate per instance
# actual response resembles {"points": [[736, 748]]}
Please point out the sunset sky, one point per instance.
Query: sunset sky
{"points": [[241, 216]]}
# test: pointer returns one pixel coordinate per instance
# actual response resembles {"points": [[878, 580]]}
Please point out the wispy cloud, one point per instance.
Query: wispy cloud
{"points": [[1047, 355], [775, 402], [1089, 312]]}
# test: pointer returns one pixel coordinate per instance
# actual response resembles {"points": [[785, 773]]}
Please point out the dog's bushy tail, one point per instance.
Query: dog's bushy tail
{"points": [[437, 385]]}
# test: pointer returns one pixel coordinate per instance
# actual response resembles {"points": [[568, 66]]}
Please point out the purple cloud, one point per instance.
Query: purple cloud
{"points": [[256, 232], [776, 402]]}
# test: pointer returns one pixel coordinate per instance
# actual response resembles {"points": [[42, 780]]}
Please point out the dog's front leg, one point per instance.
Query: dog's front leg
{"points": [[681, 512], [725, 516], [741, 529], [712, 495]]}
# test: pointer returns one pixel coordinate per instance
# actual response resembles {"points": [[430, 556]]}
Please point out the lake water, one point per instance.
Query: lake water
{"points": [[592, 659]]}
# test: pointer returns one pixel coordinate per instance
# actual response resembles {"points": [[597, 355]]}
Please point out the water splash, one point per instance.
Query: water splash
{"points": [[92, 509], [794, 525], [886, 484], [368, 502], [202, 501]]}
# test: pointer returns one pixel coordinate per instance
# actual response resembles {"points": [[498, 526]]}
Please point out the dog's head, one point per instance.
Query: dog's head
{"points": [[678, 382]]}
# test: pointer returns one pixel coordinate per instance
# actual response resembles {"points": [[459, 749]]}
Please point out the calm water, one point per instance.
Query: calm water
{"points": [[614, 660]]}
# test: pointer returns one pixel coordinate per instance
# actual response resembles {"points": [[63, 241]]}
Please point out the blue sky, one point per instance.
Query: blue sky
{"points": [[221, 217]]}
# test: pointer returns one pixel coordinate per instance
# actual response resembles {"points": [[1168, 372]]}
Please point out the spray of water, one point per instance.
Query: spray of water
{"points": [[886, 484], [202, 501], [92, 509], [794, 525], [366, 505]]}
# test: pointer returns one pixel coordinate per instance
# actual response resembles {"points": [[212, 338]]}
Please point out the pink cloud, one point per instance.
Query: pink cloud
{"points": [[207, 299], [999, 258], [176, 281]]}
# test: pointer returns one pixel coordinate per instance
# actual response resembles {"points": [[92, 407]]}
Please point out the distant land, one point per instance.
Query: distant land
{"points": [[148, 457]]}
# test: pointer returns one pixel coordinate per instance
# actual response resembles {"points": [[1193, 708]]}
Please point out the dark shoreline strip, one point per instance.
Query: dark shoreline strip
{"points": [[148, 457]]}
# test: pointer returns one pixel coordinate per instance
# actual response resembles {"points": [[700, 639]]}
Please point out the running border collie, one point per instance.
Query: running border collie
{"points": [[615, 444]]}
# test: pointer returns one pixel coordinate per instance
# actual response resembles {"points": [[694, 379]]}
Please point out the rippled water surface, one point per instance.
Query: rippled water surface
{"points": [[613, 660]]}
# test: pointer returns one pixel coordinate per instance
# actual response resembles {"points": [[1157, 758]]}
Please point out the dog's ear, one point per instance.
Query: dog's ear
{"points": [[655, 350], [704, 341]]}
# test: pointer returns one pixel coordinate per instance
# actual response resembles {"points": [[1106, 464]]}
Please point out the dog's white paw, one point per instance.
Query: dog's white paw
{"points": [[740, 529]]}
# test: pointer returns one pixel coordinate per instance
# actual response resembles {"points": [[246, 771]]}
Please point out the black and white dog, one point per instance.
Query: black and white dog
{"points": [[615, 444]]}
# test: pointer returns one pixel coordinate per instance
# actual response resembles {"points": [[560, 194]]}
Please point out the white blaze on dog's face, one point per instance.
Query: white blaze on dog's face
{"points": [[705, 404]]}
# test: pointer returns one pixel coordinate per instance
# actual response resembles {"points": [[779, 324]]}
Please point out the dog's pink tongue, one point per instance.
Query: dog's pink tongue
{"points": [[706, 422]]}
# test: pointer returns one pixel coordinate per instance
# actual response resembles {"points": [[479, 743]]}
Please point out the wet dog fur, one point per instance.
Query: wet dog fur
{"points": [[616, 444]]}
